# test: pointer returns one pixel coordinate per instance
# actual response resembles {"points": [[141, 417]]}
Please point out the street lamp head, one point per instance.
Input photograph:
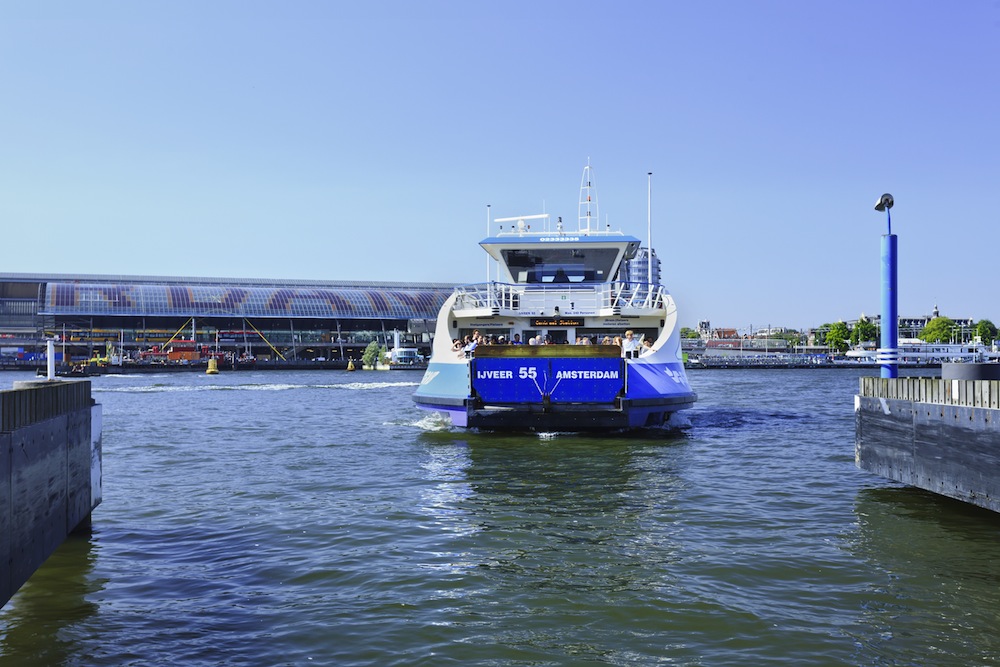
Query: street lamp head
{"points": [[884, 202]]}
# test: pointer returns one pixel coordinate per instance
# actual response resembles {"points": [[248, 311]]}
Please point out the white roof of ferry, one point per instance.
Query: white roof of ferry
{"points": [[522, 230]]}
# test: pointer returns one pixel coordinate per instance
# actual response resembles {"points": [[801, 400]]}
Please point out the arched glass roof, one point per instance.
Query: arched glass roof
{"points": [[206, 300]]}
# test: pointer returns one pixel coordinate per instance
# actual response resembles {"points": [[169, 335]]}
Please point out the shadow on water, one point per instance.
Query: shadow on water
{"points": [[936, 587], [548, 473], [561, 465], [579, 518], [34, 630]]}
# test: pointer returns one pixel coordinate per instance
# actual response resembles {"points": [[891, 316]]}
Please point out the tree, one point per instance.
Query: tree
{"points": [[792, 337], [837, 337], [938, 330], [864, 331], [688, 332], [372, 354], [986, 331]]}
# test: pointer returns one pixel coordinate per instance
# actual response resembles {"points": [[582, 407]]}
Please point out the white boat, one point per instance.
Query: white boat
{"points": [[405, 356], [916, 351], [558, 287], [401, 357]]}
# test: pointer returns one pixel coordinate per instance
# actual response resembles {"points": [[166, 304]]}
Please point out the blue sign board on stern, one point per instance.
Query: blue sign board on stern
{"points": [[562, 379]]}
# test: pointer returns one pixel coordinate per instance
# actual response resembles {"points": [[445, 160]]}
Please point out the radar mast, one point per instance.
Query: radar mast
{"points": [[588, 210]]}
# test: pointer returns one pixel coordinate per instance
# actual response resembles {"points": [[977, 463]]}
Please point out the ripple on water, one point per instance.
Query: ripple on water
{"points": [[262, 519]]}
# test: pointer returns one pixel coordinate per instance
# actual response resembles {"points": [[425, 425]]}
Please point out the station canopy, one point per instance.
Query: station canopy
{"points": [[349, 300]]}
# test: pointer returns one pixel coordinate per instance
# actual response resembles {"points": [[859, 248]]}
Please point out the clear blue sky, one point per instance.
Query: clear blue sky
{"points": [[335, 141]]}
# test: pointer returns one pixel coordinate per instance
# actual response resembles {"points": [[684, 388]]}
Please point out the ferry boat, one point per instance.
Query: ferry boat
{"points": [[565, 291], [913, 351]]}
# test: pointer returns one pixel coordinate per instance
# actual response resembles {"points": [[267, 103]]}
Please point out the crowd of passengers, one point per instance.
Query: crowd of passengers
{"points": [[630, 345]]}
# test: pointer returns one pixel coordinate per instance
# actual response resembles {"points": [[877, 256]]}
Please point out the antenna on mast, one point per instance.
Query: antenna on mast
{"points": [[588, 200], [649, 229]]}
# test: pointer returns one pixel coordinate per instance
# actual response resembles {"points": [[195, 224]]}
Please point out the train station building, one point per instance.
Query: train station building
{"points": [[130, 316]]}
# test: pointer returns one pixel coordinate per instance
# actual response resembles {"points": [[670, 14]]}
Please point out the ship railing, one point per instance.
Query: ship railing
{"points": [[580, 299], [641, 296]]}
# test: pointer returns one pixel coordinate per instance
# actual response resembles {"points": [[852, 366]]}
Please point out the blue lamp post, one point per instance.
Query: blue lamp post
{"points": [[888, 352]]}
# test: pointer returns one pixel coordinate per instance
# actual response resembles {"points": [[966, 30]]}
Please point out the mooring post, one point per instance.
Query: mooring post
{"points": [[888, 353], [50, 359]]}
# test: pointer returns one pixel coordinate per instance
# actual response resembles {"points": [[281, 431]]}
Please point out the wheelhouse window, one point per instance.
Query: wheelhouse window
{"points": [[561, 265]]}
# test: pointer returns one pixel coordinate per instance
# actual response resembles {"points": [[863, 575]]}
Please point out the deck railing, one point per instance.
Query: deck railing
{"points": [[583, 299]]}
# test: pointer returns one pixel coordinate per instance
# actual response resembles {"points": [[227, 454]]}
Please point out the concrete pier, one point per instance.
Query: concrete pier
{"points": [[50, 472], [937, 434]]}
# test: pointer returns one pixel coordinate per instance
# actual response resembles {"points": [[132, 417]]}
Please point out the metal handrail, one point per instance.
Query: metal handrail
{"points": [[508, 297]]}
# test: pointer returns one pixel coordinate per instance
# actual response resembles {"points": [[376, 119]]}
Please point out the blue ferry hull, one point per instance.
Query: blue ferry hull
{"points": [[556, 393]]}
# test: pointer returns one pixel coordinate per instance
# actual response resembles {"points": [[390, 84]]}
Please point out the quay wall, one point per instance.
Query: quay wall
{"points": [[50, 472], [941, 435]]}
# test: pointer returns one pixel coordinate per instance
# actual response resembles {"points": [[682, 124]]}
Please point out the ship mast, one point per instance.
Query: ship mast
{"points": [[588, 201]]}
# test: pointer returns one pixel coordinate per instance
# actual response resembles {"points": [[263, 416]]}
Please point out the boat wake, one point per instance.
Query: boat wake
{"points": [[434, 422], [163, 388], [677, 421], [169, 388], [369, 385]]}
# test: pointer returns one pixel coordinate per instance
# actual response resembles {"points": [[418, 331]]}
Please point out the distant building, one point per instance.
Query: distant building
{"points": [[724, 334], [331, 319], [637, 268], [910, 327]]}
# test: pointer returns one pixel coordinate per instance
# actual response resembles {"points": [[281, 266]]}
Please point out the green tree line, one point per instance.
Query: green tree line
{"points": [[939, 330], [839, 337]]}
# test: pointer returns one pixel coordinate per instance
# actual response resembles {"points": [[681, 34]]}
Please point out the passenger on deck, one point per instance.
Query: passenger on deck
{"points": [[472, 343], [647, 347], [631, 346]]}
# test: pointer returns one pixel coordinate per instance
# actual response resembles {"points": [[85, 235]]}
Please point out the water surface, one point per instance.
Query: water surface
{"points": [[292, 518]]}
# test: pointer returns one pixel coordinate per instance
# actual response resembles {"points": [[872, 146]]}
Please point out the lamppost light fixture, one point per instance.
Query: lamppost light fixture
{"points": [[884, 202]]}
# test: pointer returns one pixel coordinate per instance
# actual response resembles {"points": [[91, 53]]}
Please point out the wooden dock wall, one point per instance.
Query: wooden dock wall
{"points": [[50, 472], [939, 435]]}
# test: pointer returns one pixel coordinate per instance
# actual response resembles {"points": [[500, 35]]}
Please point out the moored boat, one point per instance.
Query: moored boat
{"points": [[560, 341], [913, 351]]}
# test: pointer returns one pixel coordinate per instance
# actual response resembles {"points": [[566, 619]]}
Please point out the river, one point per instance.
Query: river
{"points": [[319, 518]]}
